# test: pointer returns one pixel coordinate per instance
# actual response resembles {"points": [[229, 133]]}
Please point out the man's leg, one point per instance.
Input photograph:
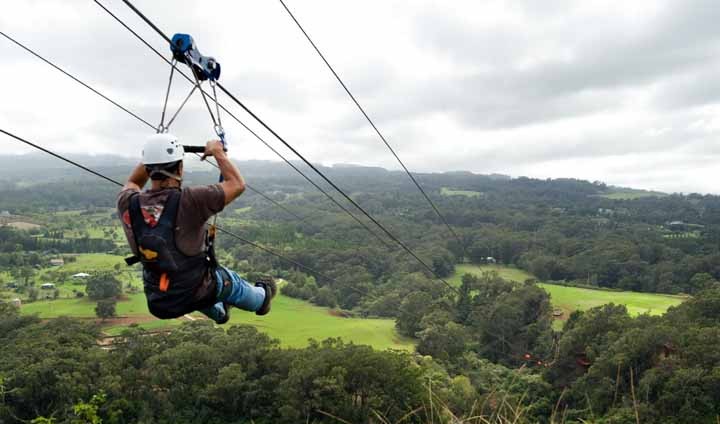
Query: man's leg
{"points": [[216, 313], [238, 292]]}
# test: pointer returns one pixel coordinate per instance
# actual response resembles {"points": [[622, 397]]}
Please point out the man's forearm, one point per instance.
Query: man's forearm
{"points": [[138, 177], [230, 174]]}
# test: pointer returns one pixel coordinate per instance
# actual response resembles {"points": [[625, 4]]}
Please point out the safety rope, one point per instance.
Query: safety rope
{"points": [[372, 124], [161, 127], [118, 183], [308, 163], [251, 131], [183, 47]]}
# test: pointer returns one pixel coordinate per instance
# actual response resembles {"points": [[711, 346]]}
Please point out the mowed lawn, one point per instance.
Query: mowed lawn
{"points": [[134, 306], [291, 321], [295, 321], [467, 193], [574, 298], [631, 195], [94, 262]]}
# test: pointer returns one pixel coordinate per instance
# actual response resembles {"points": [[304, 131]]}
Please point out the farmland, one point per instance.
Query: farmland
{"points": [[292, 321], [569, 299]]}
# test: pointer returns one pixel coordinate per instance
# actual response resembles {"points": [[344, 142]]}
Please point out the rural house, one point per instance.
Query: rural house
{"points": [[57, 262]]}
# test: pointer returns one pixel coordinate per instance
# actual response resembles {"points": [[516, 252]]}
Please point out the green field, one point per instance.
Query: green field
{"points": [[574, 298], [507, 273], [467, 193], [294, 321], [629, 194], [291, 321], [134, 306], [93, 263]]}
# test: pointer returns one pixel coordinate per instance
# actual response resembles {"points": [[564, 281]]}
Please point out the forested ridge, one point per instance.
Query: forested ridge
{"points": [[485, 348]]}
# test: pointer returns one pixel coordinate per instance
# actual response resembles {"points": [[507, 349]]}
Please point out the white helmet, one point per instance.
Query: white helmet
{"points": [[162, 148]]}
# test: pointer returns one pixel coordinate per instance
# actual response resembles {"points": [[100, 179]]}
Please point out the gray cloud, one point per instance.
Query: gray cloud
{"points": [[594, 61], [624, 92]]}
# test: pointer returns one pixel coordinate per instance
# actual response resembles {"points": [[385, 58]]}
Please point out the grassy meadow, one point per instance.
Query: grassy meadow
{"points": [[295, 321], [630, 194], [467, 193], [292, 321], [569, 299]]}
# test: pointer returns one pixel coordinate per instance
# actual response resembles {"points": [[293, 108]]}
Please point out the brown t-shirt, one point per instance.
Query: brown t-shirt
{"points": [[197, 205]]}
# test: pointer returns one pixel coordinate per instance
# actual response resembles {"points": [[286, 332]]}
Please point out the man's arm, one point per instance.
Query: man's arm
{"points": [[233, 184], [137, 178]]}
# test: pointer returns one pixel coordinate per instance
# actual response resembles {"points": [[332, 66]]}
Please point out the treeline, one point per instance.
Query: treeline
{"points": [[605, 367], [12, 240], [621, 256], [560, 230], [55, 372]]}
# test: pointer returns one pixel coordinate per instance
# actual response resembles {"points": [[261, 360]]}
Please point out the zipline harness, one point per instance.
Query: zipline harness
{"points": [[207, 69], [203, 68]]}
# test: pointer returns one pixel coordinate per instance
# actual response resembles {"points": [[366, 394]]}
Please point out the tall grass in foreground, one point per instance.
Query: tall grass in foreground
{"points": [[495, 408], [436, 411]]}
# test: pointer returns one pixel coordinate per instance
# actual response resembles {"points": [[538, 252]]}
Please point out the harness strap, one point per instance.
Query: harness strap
{"points": [[210, 244], [137, 220], [135, 258], [164, 282]]}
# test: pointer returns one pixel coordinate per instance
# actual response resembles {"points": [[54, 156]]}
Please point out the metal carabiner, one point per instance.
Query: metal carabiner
{"points": [[220, 133]]}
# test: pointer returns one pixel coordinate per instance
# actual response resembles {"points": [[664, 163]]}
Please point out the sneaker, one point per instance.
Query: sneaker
{"points": [[267, 283], [224, 293], [225, 317]]}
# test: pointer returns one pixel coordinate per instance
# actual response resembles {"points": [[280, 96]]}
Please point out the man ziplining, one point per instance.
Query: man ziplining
{"points": [[166, 229]]}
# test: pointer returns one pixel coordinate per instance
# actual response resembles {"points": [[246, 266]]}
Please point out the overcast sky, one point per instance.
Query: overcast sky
{"points": [[627, 92]]}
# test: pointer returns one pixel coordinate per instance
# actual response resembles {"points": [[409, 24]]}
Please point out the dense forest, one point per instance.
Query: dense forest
{"points": [[560, 230], [486, 349], [606, 367]]}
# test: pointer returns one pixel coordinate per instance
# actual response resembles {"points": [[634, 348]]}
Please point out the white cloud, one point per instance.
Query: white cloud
{"points": [[623, 92]]}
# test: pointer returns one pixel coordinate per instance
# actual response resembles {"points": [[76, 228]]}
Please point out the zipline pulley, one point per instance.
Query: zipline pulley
{"points": [[184, 50], [203, 68]]}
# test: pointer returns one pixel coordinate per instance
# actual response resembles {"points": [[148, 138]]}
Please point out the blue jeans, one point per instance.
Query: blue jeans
{"points": [[236, 292]]}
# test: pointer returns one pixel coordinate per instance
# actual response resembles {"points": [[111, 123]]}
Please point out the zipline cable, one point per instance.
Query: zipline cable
{"points": [[308, 163], [84, 168], [261, 194], [118, 183], [370, 121], [147, 123], [134, 115], [78, 81], [287, 161]]}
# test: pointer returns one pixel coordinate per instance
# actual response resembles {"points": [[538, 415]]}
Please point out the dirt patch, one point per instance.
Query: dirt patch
{"points": [[340, 313], [123, 320], [564, 316], [21, 225]]}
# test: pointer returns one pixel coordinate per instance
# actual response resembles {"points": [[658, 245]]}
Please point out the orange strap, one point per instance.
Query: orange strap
{"points": [[164, 282]]}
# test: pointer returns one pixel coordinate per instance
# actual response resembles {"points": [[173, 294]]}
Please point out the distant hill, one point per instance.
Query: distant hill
{"points": [[41, 168]]}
